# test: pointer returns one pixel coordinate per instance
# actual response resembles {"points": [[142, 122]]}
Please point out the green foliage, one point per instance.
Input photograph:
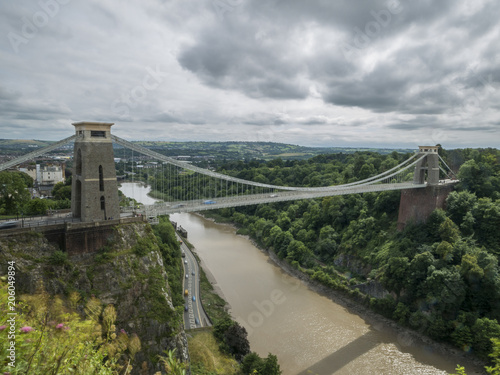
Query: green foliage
{"points": [[253, 364], [394, 275], [58, 258], [62, 191], [145, 245], [232, 338], [172, 364], [172, 261], [51, 337], [495, 357], [36, 206], [483, 331], [460, 370], [13, 192], [156, 295]]}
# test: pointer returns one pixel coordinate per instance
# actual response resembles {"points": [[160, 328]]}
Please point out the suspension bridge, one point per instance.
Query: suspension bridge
{"points": [[187, 188]]}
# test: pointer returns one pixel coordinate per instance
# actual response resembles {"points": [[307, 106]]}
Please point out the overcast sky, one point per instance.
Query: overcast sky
{"points": [[312, 72]]}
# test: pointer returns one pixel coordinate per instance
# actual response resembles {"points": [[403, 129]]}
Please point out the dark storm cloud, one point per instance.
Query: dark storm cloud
{"points": [[230, 58], [258, 52]]}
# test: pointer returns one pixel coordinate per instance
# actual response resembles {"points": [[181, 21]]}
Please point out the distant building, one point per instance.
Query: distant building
{"points": [[51, 175], [30, 170], [46, 175]]}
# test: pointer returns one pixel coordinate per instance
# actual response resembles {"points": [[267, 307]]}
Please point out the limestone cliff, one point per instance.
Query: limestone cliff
{"points": [[128, 273]]}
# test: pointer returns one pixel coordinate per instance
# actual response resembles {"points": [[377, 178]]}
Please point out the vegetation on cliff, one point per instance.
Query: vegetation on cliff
{"points": [[130, 273], [50, 336]]}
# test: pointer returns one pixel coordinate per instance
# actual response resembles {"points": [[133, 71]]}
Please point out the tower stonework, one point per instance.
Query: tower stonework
{"points": [[94, 190], [427, 166], [416, 205]]}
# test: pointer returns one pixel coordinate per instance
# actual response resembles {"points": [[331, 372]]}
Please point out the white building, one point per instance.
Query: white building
{"points": [[46, 175], [51, 175]]}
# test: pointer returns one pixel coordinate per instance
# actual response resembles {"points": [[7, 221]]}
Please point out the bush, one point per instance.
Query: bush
{"points": [[58, 258]]}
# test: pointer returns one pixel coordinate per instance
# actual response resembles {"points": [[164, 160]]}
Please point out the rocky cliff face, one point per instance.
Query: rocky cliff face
{"points": [[133, 280]]}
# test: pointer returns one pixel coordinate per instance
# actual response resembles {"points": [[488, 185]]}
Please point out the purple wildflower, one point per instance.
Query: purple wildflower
{"points": [[2, 328], [123, 331], [60, 326], [26, 329]]}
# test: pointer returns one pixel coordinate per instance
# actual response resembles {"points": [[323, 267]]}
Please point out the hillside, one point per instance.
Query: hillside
{"points": [[217, 150]]}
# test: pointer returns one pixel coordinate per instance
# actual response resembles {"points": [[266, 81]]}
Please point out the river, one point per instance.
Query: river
{"points": [[309, 333]]}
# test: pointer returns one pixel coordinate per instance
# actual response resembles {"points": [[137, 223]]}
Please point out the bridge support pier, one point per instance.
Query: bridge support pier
{"points": [[416, 205]]}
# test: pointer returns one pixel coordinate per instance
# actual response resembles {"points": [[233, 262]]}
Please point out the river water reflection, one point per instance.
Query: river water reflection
{"points": [[308, 332]]}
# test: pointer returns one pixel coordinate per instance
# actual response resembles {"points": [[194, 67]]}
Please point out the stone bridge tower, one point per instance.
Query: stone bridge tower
{"points": [[428, 166], [94, 190], [416, 205]]}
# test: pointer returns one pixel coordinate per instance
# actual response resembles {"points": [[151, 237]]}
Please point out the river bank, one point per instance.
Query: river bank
{"points": [[408, 340]]}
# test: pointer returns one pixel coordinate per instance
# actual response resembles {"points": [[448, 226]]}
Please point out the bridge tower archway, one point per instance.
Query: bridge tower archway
{"points": [[94, 192], [427, 169]]}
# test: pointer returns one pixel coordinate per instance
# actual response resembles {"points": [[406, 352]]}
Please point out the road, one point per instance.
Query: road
{"points": [[195, 311]]}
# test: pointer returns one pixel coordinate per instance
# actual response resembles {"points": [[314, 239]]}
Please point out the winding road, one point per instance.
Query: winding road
{"points": [[194, 316]]}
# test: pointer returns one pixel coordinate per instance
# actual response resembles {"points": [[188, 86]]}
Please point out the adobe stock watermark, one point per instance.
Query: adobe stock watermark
{"points": [[222, 7], [264, 310], [363, 37], [131, 99], [32, 25]]}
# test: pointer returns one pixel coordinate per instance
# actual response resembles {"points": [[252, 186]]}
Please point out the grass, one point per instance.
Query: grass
{"points": [[213, 304], [206, 357]]}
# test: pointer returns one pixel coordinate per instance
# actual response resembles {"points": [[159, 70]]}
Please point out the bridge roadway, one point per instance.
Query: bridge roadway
{"points": [[161, 208]]}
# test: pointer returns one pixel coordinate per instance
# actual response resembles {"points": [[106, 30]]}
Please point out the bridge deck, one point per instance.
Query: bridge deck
{"points": [[161, 208]]}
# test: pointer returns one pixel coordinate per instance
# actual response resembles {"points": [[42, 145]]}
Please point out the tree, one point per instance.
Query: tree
{"points": [[253, 364], [483, 331], [448, 231], [487, 214], [299, 252], [495, 355], [61, 191], [221, 327], [395, 274], [420, 266], [236, 340], [458, 204], [232, 338], [445, 290], [36, 206], [271, 365], [13, 193]]}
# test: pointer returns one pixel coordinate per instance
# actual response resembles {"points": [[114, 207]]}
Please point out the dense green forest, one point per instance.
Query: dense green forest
{"points": [[443, 275]]}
